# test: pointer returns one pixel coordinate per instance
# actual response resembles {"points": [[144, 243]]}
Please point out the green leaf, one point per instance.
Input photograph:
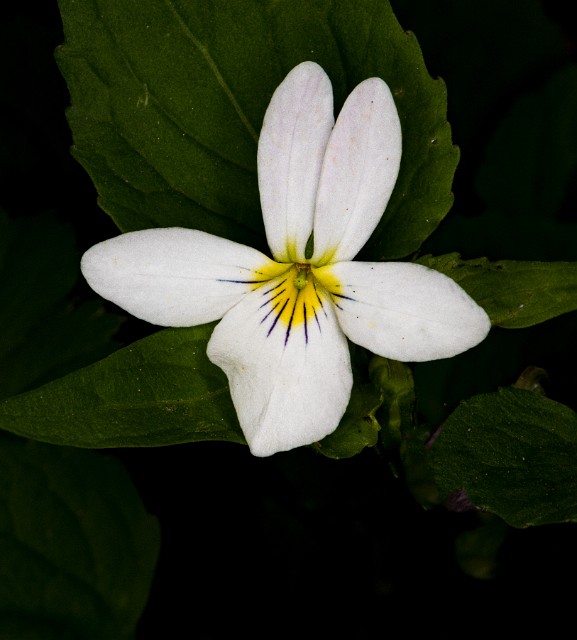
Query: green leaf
{"points": [[42, 334], [481, 58], [526, 181], [168, 100], [358, 428], [477, 550], [514, 453], [66, 340], [514, 294], [494, 234], [530, 162], [78, 549], [38, 267], [441, 384], [157, 391], [395, 380]]}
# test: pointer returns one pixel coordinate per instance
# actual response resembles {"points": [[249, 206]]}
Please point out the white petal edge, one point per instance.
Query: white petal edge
{"points": [[359, 172], [292, 143], [287, 393], [406, 311], [172, 277]]}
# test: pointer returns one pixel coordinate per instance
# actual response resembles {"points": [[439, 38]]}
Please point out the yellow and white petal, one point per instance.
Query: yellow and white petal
{"points": [[359, 172], [175, 277], [403, 311], [292, 143], [287, 362]]}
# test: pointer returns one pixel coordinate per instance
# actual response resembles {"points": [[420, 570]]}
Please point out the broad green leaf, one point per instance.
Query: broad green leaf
{"points": [[22, 627], [514, 294], [494, 234], [38, 267], [43, 334], [161, 390], [67, 339], [168, 100], [78, 549], [481, 56], [531, 160], [526, 181], [514, 453], [157, 391]]}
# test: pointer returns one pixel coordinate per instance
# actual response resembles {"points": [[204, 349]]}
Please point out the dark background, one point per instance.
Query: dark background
{"points": [[300, 544]]}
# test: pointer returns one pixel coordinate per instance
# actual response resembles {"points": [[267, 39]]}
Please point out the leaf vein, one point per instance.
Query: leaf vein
{"points": [[214, 68]]}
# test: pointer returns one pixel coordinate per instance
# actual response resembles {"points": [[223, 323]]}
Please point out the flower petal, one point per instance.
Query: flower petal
{"points": [[359, 172], [292, 143], [404, 311], [174, 277], [288, 365]]}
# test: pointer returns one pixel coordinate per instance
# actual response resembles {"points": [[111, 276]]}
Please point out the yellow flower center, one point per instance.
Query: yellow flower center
{"points": [[295, 295]]}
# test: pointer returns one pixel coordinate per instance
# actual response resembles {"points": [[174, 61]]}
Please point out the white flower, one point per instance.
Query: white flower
{"points": [[282, 340]]}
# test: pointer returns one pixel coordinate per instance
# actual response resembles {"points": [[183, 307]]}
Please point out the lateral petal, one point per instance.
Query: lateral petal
{"points": [[292, 143], [359, 172], [403, 311], [175, 277], [288, 365]]}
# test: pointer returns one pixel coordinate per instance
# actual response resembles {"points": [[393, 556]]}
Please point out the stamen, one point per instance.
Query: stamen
{"points": [[301, 278]]}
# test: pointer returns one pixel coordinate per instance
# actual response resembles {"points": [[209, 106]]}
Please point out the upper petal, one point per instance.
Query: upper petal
{"points": [[404, 311], [292, 143], [359, 172], [174, 277], [288, 365]]}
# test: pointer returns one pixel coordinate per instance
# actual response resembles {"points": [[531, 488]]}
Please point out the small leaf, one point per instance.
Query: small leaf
{"points": [[358, 427], [78, 549], [395, 380], [514, 294], [477, 550], [168, 100], [513, 453], [157, 391]]}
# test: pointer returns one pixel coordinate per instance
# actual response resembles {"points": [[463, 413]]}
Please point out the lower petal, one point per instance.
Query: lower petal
{"points": [[403, 311], [290, 381]]}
